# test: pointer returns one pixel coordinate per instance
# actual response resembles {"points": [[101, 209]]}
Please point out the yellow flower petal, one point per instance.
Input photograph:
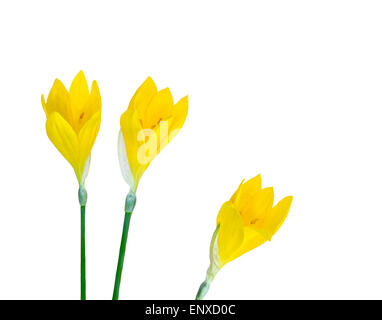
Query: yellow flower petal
{"points": [[79, 92], [143, 96], [258, 206], [231, 233], [91, 107], [64, 138], [130, 127], [73, 121], [277, 215], [160, 108], [252, 239], [58, 101], [236, 194], [124, 162], [179, 117], [87, 137], [43, 104], [248, 220], [246, 193], [80, 101], [145, 127], [94, 103], [252, 185]]}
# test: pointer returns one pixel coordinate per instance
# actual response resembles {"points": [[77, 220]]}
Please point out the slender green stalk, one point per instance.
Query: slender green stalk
{"points": [[82, 198], [121, 257], [83, 257], [129, 207]]}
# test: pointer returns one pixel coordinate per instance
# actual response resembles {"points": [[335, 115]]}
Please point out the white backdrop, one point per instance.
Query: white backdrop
{"points": [[288, 89]]}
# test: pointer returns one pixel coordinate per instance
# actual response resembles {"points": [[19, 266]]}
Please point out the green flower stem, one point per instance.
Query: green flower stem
{"points": [[121, 257], [82, 198], [203, 289], [205, 286], [129, 207], [214, 267], [83, 258]]}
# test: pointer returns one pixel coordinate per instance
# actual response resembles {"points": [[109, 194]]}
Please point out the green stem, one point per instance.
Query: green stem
{"points": [[129, 207], [83, 258], [214, 267], [203, 289], [121, 257], [82, 199]]}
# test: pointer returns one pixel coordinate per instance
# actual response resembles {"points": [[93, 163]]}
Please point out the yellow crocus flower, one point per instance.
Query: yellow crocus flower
{"points": [[244, 222], [149, 123], [73, 121], [72, 124]]}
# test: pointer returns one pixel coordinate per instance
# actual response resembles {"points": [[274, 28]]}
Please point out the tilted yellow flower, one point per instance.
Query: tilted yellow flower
{"points": [[73, 121], [149, 123], [244, 222]]}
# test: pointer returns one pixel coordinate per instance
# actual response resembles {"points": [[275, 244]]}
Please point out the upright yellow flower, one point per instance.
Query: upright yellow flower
{"points": [[149, 123], [244, 222], [73, 121], [147, 126]]}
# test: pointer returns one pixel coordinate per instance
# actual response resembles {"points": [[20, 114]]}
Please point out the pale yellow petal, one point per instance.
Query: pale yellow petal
{"points": [[130, 127], [64, 138], [58, 101], [231, 233], [124, 162], [160, 108], [87, 137], [143, 96], [277, 215]]}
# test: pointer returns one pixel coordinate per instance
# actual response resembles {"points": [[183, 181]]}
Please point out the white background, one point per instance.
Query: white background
{"points": [[288, 89]]}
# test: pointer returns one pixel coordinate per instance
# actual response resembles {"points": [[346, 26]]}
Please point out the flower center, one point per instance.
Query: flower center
{"points": [[254, 221]]}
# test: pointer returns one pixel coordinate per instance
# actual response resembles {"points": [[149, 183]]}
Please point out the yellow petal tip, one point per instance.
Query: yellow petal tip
{"points": [[43, 102], [80, 74], [149, 80], [185, 98]]}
